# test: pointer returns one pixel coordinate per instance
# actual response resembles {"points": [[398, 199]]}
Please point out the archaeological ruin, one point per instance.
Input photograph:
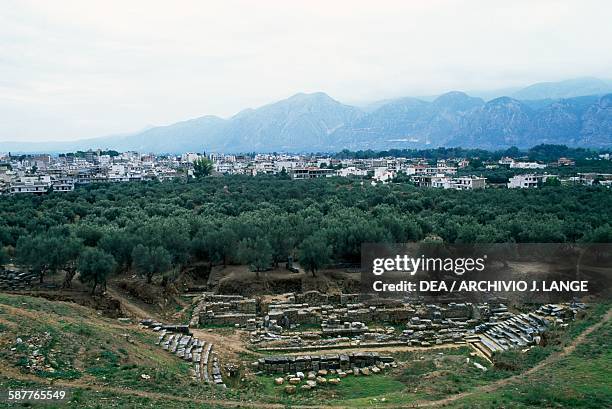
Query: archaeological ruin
{"points": [[302, 330]]}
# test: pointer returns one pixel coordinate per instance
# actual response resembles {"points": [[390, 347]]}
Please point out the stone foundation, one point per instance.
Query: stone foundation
{"points": [[301, 363]]}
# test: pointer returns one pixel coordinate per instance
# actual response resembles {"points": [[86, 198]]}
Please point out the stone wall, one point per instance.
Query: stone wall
{"points": [[301, 363], [207, 318], [177, 340], [16, 280]]}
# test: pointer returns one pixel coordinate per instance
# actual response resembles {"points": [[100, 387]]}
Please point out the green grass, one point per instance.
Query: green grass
{"points": [[350, 388], [38, 304], [87, 398], [580, 380], [353, 387], [431, 376], [78, 343]]}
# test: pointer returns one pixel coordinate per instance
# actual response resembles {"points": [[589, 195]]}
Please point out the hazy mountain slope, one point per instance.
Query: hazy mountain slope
{"points": [[302, 122], [186, 136], [500, 122], [504, 122], [455, 119], [409, 122], [564, 89], [316, 122], [561, 120], [597, 124], [394, 121]]}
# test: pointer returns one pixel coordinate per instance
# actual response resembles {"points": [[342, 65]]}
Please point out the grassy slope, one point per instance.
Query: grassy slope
{"points": [[94, 355], [583, 379], [83, 347]]}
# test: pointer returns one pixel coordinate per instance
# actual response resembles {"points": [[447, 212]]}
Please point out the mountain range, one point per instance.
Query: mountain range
{"points": [[575, 113]]}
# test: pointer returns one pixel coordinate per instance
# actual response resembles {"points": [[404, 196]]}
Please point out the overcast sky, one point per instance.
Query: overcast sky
{"points": [[74, 69]]}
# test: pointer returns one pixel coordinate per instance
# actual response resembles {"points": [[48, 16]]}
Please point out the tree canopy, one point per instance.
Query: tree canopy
{"points": [[95, 266], [314, 253], [151, 261], [263, 220], [3, 257]]}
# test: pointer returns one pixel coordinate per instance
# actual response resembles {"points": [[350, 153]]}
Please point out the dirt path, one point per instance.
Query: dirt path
{"points": [[227, 346], [129, 306]]}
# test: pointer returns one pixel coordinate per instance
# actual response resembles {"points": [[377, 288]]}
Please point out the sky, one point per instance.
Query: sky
{"points": [[79, 69]]}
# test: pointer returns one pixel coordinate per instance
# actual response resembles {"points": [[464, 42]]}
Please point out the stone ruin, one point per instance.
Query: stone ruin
{"points": [[509, 331], [335, 327], [272, 322], [346, 323], [178, 340], [317, 370], [16, 280], [310, 308], [343, 320], [305, 363], [223, 310]]}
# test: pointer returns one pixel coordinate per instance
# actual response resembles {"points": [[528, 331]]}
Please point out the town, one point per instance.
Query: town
{"points": [[43, 173]]}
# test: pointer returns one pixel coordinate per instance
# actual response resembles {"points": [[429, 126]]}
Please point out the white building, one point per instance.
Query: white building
{"points": [[31, 184], [189, 157], [352, 171], [224, 167], [311, 173], [527, 181], [105, 160], [592, 178], [442, 181], [468, 183], [288, 165], [265, 167], [527, 165], [215, 157], [383, 174]]}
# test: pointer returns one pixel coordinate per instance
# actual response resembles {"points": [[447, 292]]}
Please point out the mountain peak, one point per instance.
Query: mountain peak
{"points": [[453, 95], [457, 101], [503, 101], [312, 96]]}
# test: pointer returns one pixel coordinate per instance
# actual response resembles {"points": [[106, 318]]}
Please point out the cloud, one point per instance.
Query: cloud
{"points": [[72, 69]]}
